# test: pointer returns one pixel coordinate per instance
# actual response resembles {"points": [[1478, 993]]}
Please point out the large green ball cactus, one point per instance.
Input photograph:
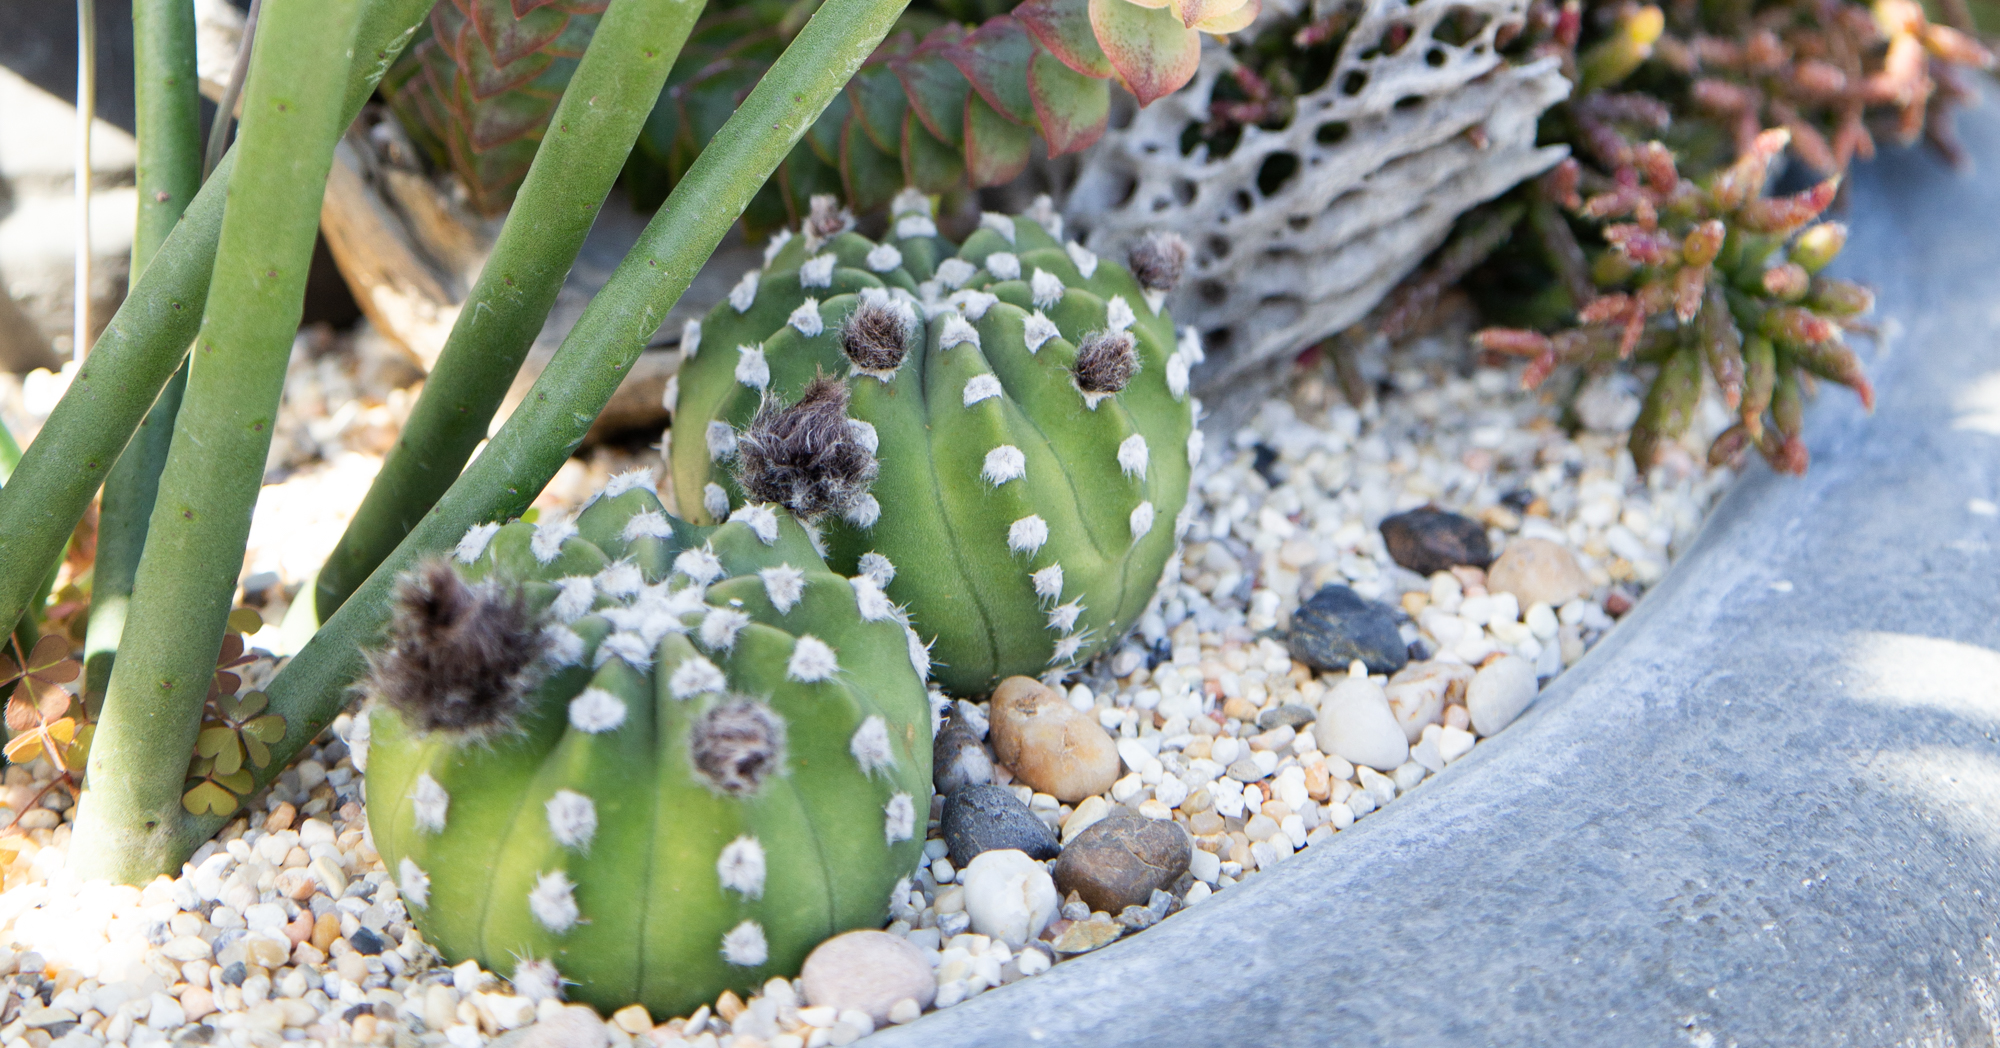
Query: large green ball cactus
{"points": [[1027, 402], [646, 760]]}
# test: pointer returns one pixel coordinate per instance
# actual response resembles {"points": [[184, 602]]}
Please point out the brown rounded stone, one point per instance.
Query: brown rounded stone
{"points": [[1430, 540], [1049, 744], [1121, 860], [1537, 571]]}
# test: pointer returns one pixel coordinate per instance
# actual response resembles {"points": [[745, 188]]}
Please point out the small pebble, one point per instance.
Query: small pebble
{"points": [[1049, 744], [987, 817], [1337, 626], [1356, 724], [1122, 860], [1537, 571], [1499, 692], [1009, 896], [868, 971], [959, 759], [1429, 540]]}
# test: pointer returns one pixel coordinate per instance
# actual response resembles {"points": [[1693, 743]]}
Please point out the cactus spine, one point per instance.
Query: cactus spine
{"points": [[1027, 401], [642, 759]]}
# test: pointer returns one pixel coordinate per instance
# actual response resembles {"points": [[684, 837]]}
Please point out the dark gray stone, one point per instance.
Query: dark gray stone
{"points": [[1765, 811], [365, 941], [1337, 626], [1296, 716], [958, 759], [1121, 860], [1430, 540], [988, 817]]}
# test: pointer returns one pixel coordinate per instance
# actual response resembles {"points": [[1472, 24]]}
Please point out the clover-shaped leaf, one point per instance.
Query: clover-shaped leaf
{"points": [[208, 797], [48, 663], [221, 745], [245, 621], [259, 734], [28, 745]]}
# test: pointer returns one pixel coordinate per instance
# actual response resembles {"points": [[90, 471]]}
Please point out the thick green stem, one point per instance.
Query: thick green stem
{"points": [[201, 520], [550, 424], [601, 114], [138, 352], [169, 174]]}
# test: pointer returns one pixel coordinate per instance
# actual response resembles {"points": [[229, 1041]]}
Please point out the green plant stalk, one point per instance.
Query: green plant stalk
{"points": [[169, 175], [215, 465], [551, 422], [10, 454], [601, 114], [138, 352]]}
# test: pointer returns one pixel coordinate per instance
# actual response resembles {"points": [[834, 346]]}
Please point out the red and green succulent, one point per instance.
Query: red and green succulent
{"points": [[941, 105]]}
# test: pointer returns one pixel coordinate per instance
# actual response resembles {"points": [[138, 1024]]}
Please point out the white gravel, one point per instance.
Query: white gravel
{"points": [[1286, 505]]}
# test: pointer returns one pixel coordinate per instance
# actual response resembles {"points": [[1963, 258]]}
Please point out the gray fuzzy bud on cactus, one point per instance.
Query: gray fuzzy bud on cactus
{"points": [[1026, 404], [631, 759]]}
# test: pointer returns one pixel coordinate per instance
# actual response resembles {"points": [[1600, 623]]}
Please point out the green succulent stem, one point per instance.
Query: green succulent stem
{"points": [[138, 352], [169, 174], [600, 116], [550, 424], [222, 435]]}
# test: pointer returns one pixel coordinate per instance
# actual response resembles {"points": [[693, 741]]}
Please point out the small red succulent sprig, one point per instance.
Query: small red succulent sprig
{"points": [[1716, 277], [1820, 69]]}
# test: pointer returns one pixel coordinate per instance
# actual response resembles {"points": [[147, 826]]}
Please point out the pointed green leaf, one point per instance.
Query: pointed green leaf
{"points": [[825, 134], [996, 148], [1152, 51], [510, 38], [995, 59], [1072, 108], [869, 176], [1063, 27], [928, 164], [879, 100], [935, 87]]}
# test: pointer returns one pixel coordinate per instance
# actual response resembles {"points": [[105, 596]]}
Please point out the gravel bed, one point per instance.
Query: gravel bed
{"points": [[287, 928]]}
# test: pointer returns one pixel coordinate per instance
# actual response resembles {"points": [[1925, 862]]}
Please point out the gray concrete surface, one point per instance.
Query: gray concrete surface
{"points": [[1765, 812]]}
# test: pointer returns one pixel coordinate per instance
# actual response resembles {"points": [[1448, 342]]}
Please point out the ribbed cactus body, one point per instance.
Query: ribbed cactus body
{"points": [[726, 760], [1029, 489]]}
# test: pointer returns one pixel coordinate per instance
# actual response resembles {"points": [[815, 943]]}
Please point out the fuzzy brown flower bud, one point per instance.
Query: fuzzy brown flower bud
{"points": [[1158, 260], [736, 745], [1105, 362], [876, 336], [462, 656], [805, 457]]}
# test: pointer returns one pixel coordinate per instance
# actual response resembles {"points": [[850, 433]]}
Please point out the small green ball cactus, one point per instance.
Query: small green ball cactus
{"points": [[650, 760], [1022, 407]]}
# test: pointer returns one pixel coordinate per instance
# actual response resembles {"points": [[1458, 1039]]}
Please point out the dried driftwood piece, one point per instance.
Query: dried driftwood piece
{"points": [[410, 250], [1382, 160]]}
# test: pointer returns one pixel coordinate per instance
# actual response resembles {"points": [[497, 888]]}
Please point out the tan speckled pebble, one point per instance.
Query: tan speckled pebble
{"points": [[1048, 743]]}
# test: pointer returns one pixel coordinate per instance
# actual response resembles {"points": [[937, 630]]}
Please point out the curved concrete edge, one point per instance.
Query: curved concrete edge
{"points": [[1766, 811]]}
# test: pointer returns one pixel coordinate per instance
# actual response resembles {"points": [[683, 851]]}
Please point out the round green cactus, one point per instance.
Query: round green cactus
{"points": [[1027, 403], [651, 760]]}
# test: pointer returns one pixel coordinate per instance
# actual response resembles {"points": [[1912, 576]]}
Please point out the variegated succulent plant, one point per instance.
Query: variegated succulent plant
{"points": [[482, 80], [939, 106]]}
